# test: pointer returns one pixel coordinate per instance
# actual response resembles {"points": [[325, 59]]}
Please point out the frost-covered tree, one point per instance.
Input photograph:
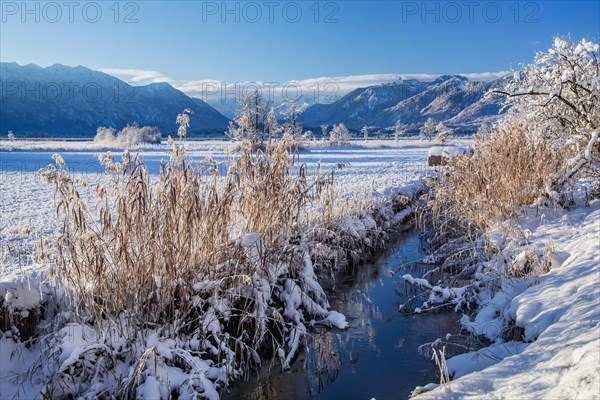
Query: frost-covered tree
{"points": [[11, 136], [399, 130], [558, 96], [292, 128], [428, 129], [247, 123], [443, 132], [365, 131], [324, 129], [339, 135], [272, 125], [307, 136]]}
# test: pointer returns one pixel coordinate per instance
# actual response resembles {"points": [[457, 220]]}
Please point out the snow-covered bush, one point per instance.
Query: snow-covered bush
{"points": [[106, 135], [339, 135], [130, 135], [443, 132], [11, 136]]}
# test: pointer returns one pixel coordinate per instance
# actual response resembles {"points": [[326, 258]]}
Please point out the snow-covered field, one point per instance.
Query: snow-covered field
{"points": [[559, 312], [28, 209], [28, 216]]}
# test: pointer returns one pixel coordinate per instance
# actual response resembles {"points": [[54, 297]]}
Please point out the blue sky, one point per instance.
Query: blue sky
{"points": [[192, 40]]}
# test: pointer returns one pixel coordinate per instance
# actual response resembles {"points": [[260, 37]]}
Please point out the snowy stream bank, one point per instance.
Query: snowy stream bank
{"points": [[377, 357], [558, 353]]}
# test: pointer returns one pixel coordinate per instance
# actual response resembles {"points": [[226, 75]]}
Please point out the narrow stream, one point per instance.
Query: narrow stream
{"points": [[377, 357]]}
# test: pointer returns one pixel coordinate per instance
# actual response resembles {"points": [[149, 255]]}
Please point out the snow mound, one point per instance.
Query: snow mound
{"points": [[559, 315]]}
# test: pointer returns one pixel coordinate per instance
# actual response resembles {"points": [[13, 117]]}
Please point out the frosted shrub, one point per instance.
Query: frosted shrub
{"points": [[339, 135], [443, 132], [106, 136], [130, 135], [133, 135]]}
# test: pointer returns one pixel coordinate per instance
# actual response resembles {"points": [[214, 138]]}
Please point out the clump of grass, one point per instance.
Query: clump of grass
{"points": [[475, 198], [510, 168], [147, 243], [215, 261]]}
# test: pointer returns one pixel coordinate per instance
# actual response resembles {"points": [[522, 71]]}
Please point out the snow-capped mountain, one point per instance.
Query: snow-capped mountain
{"points": [[227, 106], [452, 99], [358, 107], [74, 101]]}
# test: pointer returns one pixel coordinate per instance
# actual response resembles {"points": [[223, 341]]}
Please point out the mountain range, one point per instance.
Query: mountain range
{"points": [[74, 101], [452, 99]]}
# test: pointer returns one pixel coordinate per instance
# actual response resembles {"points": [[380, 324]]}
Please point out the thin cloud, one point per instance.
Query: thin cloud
{"points": [[321, 89], [138, 76]]}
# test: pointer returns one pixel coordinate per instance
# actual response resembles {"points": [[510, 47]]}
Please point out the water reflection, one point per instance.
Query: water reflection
{"points": [[377, 357]]}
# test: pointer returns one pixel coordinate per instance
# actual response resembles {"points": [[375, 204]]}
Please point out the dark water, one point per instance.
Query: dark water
{"points": [[377, 356]]}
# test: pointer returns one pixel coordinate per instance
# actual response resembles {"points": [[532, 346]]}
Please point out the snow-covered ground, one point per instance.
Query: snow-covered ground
{"points": [[559, 357], [559, 312], [28, 216], [28, 209]]}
